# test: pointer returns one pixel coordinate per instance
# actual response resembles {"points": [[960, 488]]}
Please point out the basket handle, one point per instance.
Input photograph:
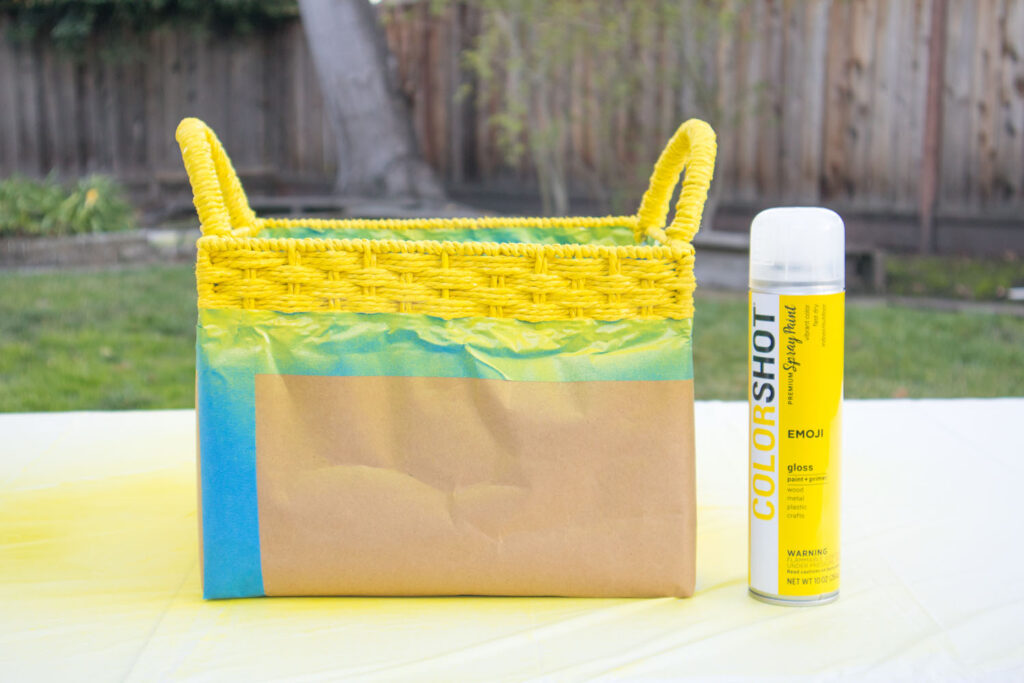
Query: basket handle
{"points": [[692, 147], [218, 195]]}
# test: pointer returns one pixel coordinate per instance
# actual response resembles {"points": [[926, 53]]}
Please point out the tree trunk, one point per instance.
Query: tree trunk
{"points": [[377, 151]]}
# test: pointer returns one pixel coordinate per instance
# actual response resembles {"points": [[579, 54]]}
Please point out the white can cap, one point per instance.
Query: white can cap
{"points": [[797, 246]]}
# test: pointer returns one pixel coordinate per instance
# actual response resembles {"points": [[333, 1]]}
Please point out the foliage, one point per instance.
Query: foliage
{"points": [[70, 23], [529, 53], [957, 277], [125, 339], [45, 207]]}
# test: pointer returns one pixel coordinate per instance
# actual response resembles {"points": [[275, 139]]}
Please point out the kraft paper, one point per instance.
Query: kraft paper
{"points": [[452, 486]]}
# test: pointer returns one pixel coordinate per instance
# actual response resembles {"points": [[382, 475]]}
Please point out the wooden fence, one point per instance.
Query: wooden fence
{"points": [[88, 112], [838, 117]]}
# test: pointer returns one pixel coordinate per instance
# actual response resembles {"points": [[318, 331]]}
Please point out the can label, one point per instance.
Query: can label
{"points": [[795, 396]]}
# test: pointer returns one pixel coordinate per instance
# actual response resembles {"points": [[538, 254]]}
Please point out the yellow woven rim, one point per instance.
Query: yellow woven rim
{"points": [[238, 269]]}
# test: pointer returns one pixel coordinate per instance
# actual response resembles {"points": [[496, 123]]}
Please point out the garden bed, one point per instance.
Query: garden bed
{"points": [[99, 249]]}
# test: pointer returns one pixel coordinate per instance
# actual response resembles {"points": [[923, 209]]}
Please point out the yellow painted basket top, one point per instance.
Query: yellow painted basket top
{"points": [[239, 268]]}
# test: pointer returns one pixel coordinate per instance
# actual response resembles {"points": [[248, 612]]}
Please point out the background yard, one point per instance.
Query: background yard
{"points": [[124, 339]]}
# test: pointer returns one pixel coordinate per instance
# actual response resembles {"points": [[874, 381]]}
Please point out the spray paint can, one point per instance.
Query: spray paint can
{"points": [[795, 378]]}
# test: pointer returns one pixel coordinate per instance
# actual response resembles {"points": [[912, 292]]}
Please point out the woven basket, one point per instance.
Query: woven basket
{"points": [[482, 406], [239, 268]]}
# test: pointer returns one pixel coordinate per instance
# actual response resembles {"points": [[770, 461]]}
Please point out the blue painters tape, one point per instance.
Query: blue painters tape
{"points": [[226, 410]]}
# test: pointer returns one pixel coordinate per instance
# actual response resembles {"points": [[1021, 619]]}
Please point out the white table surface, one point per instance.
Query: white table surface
{"points": [[99, 580]]}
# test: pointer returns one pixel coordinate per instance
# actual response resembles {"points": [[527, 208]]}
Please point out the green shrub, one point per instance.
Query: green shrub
{"points": [[46, 207], [71, 23]]}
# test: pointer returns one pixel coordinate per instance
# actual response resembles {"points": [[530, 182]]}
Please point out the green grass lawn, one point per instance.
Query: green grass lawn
{"points": [[123, 339], [891, 351], [97, 340]]}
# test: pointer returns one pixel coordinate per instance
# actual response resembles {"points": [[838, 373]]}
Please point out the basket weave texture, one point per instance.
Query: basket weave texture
{"points": [[237, 268]]}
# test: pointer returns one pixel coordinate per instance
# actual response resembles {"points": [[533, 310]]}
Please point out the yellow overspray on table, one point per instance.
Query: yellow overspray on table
{"points": [[795, 376]]}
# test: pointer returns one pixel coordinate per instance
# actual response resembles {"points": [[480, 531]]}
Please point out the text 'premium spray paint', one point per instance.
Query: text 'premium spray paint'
{"points": [[795, 372]]}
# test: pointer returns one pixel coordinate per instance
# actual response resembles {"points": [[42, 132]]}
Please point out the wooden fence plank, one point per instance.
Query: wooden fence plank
{"points": [[157, 121], [813, 86], [29, 116], [770, 70], [173, 105], [1009, 122], [835, 180], [879, 88], [9, 105], [908, 133], [750, 84], [984, 83], [957, 144]]}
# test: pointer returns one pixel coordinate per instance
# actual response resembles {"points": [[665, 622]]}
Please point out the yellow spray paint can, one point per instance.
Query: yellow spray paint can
{"points": [[795, 393]]}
